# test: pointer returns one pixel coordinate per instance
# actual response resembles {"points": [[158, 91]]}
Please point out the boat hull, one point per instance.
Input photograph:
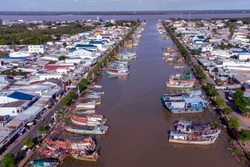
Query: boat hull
{"points": [[92, 158], [179, 86], [85, 123], [192, 142], [117, 74], [175, 111], [84, 131]]}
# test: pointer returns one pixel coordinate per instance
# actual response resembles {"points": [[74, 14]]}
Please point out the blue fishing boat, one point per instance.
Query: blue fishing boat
{"points": [[97, 130], [44, 163], [185, 103]]}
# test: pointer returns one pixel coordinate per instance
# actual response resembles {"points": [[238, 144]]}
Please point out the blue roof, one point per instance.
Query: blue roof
{"points": [[85, 45], [20, 96], [240, 51], [95, 42], [14, 58]]}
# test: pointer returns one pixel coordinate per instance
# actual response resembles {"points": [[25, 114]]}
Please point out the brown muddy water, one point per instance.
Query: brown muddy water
{"points": [[139, 124]]}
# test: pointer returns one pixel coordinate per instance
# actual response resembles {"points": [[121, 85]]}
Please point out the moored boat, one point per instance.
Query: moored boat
{"points": [[191, 102], [180, 81], [44, 163], [205, 130], [185, 138], [97, 130], [86, 106], [74, 143], [88, 120], [85, 156], [117, 69], [178, 67]]}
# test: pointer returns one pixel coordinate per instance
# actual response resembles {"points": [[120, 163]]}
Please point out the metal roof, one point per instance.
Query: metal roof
{"points": [[20, 96]]}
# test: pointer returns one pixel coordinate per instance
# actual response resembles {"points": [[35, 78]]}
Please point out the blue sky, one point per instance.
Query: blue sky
{"points": [[120, 5]]}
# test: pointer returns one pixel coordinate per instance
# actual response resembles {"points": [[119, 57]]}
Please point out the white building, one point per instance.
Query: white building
{"points": [[206, 48], [48, 76], [36, 48], [13, 108]]}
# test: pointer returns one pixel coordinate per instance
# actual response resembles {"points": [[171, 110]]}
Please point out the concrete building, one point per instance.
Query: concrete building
{"points": [[13, 108], [36, 49]]}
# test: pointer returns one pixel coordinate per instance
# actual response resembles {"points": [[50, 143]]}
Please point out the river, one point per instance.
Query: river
{"points": [[139, 124]]}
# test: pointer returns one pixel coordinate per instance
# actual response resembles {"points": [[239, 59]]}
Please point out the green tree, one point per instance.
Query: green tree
{"points": [[214, 93], [179, 35], [227, 111], [62, 58], [220, 82], [57, 113], [42, 129], [240, 101], [52, 62], [234, 123], [216, 69], [8, 160], [210, 87], [64, 101], [72, 95], [28, 142], [244, 135], [220, 102]]}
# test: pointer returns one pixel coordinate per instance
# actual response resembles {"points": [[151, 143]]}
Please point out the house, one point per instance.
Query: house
{"points": [[36, 49], [206, 47], [16, 96], [13, 108]]}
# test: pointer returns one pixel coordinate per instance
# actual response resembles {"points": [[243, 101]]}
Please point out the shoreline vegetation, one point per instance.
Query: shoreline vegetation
{"points": [[237, 147]]}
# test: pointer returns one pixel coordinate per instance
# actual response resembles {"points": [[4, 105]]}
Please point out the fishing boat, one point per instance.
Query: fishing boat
{"points": [[85, 112], [117, 69], [55, 153], [190, 138], [191, 102], [78, 147], [85, 155], [205, 130], [127, 56], [74, 143], [180, 81], [97, 86], [86, 106], [88, 120], [44, 163], [97, 130], [93, 96], [178, 67]]}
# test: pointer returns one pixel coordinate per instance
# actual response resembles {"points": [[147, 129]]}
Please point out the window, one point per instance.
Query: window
{"points": [[13, 112]]}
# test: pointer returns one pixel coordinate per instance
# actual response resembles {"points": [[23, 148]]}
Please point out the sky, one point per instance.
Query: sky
{"points": [[121, 5]]}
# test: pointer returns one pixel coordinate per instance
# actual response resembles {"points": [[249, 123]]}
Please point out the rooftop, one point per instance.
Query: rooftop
{"points": [[20, 96], [13, 104]]}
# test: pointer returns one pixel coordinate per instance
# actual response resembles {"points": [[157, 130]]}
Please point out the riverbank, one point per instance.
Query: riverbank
{"points": [[240, 154]]}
